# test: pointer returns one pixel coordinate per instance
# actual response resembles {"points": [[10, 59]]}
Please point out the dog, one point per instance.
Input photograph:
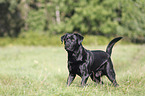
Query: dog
{"points": [[85, 63]]}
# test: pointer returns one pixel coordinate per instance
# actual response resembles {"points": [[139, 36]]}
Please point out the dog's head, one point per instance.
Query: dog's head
{"points": [[72, 41]]}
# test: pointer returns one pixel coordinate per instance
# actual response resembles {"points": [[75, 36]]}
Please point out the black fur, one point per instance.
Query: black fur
{"points": [[87, 63]]}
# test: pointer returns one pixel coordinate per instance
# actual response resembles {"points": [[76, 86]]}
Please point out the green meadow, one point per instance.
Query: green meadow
{"points": [[42, 71]]}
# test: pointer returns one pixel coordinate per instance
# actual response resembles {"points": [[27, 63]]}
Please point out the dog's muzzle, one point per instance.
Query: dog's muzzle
{"points": [[69, 47]]}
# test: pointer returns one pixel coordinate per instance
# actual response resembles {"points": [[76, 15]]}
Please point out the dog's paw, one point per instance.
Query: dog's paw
{"points": [[116, 85]]}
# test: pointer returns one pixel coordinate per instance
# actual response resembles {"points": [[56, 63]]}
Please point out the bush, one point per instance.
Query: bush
{"points": [[32, 39], [45, 39]]}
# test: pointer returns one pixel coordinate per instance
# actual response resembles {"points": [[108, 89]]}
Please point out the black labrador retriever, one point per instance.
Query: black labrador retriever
{"points": [[87, 63]]}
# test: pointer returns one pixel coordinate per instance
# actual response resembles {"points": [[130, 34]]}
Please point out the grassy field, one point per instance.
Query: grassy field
{"points": [[42, 71]]}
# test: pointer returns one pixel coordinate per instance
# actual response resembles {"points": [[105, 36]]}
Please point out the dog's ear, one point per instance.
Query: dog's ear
{"points": [[63, 37], [80, 37]]}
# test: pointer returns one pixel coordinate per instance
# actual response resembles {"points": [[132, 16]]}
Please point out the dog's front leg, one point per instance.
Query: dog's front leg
{"points": [[70, 79], [84, 79]]}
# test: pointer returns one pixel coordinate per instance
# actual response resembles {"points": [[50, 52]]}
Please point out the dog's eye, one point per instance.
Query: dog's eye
{"points": [[66, 39], [73, 39]]}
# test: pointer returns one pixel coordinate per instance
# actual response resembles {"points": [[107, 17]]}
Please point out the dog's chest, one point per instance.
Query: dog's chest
{"points": [[76, 69]]}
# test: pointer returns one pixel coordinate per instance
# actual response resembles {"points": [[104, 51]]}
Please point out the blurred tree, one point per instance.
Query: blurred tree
{"points": [[103, 17], [133, 20], [100, 17], [11, 21]]}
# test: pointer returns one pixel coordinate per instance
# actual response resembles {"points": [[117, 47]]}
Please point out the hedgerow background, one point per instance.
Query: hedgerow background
{"points": [[107, 18]]}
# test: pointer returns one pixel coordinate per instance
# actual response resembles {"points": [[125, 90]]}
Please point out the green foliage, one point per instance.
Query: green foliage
{"points": [[107, 17], [100, 17], [10, 20], [35, 20], [132, 21]]}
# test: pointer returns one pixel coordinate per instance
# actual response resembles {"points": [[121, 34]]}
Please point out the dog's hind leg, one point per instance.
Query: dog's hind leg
{"points": [[96, 77], [110, 73], [70, 79]]}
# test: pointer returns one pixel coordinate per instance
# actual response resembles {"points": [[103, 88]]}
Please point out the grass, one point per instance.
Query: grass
{"points": [[42, 71]]}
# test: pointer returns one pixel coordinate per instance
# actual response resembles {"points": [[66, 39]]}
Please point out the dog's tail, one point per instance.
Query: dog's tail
{"points": [[111, 44]]}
